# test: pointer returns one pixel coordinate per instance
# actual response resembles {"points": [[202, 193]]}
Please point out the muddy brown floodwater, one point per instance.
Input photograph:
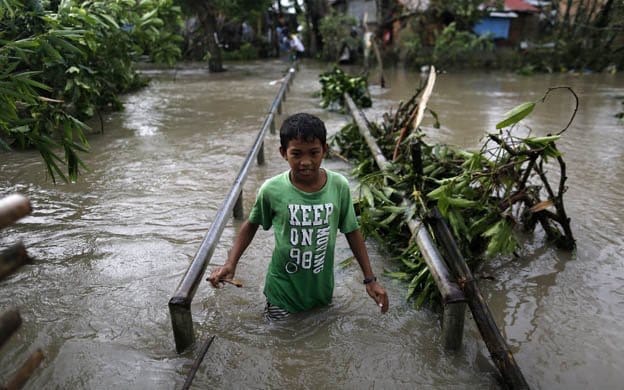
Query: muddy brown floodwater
{"points": [[110, 250]]}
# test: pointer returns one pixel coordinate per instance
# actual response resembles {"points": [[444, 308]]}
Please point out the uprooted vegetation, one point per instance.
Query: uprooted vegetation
{"points": [[486, 196]]}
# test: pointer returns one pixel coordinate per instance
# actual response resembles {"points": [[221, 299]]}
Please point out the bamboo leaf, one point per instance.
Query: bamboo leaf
{"points": [[397, 275], [417, 280], [540, 142], [386, 222], [110, 20], [20, 129], [437, 193], [346, 262], [423, 294], [37, 84], [368, 195], [410, 264], [461, 202], [66, 45], [516, 114]]}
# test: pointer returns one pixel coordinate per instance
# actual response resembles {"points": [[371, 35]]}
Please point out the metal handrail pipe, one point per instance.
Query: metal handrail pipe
{"points": [[282, 91], [180, 303], [449, 290], [206, 248]]}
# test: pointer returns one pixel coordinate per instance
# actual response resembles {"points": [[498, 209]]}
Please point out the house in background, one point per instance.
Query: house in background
{"points": [[517, 22], [358, 9]]}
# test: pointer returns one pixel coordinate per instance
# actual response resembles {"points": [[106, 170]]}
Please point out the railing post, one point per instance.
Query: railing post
{"points": [[25, 371], [272, 126], [495, 342], [13, 258], [260, 157], [12, 208], [452, 296], [292, 75], [182, 323], [9, 322], [180, 303], [238, 207], [453, 325]]}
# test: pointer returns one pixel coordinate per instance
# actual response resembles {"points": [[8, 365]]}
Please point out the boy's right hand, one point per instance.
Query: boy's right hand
{"points": [[221, 273]]}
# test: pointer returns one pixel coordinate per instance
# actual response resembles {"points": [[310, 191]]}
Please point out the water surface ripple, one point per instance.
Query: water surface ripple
{"points": [[110, 250]]}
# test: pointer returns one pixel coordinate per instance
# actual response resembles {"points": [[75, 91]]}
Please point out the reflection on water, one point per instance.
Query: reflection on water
{"points": [[559, 310], [109, 250], [145, 111]]}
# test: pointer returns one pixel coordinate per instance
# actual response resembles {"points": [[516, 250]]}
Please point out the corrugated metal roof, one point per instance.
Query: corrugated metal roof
{"points": [[519, 6]]}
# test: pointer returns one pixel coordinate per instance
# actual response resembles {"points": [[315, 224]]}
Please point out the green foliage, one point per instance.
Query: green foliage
{"points": [[59, 68], [156, 30], [587, 38], [336, 30], [516, 114], [464, 13], [247, 51], [411, 49], [336, 82], [233, 9], [484, 195], [454, 47]]}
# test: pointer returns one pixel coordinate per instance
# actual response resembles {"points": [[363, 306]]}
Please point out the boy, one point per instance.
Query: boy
{"points": [[306, 206]]}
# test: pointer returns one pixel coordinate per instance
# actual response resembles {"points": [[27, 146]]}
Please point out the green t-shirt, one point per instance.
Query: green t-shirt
{"points": [[301, 272]]}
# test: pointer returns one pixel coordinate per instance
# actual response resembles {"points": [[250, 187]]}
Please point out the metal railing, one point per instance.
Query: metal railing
{"points": [[180, 302], [446, 271], [453, 299]]}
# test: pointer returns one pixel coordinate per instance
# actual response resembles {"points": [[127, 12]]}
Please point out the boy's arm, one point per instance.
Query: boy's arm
{"points": [[373, 288], [241, 242]]}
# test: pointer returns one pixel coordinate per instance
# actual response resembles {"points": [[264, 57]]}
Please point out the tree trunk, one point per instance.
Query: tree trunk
{"points": [[315, 11], [215, 62], [206, 14]]}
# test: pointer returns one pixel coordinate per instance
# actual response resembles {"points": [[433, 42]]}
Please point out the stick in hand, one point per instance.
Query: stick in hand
{"points": [[234, 282]]}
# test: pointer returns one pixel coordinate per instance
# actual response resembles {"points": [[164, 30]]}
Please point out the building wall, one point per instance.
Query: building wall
{"points": [[358, 8]]}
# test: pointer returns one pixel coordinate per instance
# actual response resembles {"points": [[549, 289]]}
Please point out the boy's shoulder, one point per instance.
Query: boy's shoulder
{"points": [[336, 177], [278, 180], [281, 180]]}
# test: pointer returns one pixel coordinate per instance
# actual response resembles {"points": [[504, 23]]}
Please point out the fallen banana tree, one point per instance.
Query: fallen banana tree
{"points": [[484, 196], [453, 312]]}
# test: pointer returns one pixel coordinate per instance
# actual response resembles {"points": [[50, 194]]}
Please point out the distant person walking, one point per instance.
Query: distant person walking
{"points": [[296, 47]]}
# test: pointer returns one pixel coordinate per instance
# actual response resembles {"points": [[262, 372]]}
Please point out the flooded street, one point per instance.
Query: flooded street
{"points": [[110, 250]]}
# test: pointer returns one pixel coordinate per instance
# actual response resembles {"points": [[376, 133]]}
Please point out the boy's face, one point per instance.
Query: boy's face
{"points": [[304, 158]]}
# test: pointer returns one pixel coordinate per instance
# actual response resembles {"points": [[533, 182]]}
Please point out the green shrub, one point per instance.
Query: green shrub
{"points": [[335, 83], [246, 52], [461, 48], [60, 68], [336, 32]]}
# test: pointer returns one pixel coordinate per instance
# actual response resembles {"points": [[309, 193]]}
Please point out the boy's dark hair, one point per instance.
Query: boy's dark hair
{"points": [[302, 126]]}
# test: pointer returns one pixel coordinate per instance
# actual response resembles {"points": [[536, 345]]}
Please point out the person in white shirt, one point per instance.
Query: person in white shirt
{"points": [[296, 47]]}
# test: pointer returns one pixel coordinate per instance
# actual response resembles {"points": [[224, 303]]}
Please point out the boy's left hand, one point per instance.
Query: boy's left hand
{"points": [[378, 293]]}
